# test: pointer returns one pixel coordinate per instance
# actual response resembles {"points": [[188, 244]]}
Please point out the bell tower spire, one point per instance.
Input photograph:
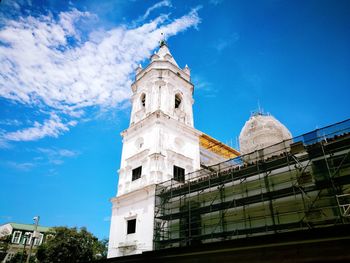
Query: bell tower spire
{"points": [[160, 144], [163, 86]]}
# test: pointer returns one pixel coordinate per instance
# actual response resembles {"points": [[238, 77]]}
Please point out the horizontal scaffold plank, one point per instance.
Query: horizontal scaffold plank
{"points": [[258, 198]]}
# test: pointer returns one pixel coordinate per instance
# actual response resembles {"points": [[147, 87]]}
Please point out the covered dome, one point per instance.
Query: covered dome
{"points": [[260, 131]]}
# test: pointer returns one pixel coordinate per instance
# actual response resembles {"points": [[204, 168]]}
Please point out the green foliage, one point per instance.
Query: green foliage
{"points": [[70, 245], [101, 249], [18, 258], [4, 244]]}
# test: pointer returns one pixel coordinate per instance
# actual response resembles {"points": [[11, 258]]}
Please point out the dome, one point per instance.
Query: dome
{"points": [[260, 131]]}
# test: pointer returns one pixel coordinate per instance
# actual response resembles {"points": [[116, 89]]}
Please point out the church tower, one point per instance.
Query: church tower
{"points": [[160, 144]]}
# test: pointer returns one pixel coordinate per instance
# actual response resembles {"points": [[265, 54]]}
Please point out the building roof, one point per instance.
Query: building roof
{"points": [[29, 227], [217, 147], [164, 54]]}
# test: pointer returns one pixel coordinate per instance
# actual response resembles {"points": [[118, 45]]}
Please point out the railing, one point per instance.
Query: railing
{"points": [[293, 185], [344, 204]]}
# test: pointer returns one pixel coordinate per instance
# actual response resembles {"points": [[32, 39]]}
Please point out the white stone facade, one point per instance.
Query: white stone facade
{"points": [[160, 136]]}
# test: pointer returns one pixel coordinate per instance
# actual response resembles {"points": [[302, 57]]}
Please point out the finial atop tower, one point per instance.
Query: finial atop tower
{"points": [[187, 70], [139, 69], [162, 42]]}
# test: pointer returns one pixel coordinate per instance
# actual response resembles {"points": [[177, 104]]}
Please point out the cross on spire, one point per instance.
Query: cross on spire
{"points": [[162, 42]]}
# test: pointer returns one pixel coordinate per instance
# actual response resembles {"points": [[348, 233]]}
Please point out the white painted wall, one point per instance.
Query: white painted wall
{"points": [[159, 137], [160, 144], [140, 205]]}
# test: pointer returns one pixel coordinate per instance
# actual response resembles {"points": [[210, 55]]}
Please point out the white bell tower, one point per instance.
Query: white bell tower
{"points": [[160, 144]]}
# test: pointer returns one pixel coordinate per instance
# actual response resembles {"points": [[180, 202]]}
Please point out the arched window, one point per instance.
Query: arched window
{"points": [[143, 99], [178, 100]]}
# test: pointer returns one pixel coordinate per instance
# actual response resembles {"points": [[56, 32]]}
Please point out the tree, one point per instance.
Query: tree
{"points": [[69, 245], [20, 258], [5, 238], [101, 249]]}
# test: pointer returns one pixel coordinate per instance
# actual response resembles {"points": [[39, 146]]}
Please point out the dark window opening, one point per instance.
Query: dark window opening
{"points": [[136, 173], [143, 100], [179, 174], [131, 226], [177, 101]]}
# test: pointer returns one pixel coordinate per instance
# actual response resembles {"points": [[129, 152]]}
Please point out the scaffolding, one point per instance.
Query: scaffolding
{"points": [[305, 185]]}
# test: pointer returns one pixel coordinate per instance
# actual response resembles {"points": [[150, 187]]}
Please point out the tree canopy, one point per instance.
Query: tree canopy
{"points": [[20, 258], [4, 244], [71, 245]]}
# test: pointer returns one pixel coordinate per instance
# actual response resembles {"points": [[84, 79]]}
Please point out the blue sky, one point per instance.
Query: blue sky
{"points": [[67, 66]]}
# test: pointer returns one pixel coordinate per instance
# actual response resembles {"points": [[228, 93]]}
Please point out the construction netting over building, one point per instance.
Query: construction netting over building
{"points": [[304, 185]]}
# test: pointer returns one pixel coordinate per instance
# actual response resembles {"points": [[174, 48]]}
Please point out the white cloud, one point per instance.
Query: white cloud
{"points": [[56, 161], [47, 60], [26, 166], [10, 122], [67, 153], [53, 152], [57, 156], [38, 64], [52, 127], [215, 2], [204, 86], [4, 144], [51, 172], [155, 6], [222, 43]]}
